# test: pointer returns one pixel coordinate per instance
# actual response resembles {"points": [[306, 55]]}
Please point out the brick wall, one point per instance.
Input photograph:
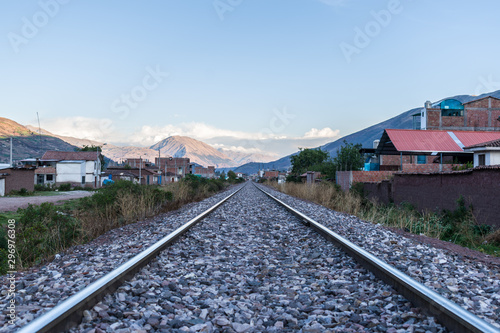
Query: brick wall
{"points": [[433, 118], [346, 178], [434, 192], [477, 118], [448, 121], [426, 168], [380, 192], [18, 179]]}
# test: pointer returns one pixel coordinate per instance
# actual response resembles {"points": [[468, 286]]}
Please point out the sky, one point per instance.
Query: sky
{"points": [[255, 76]]}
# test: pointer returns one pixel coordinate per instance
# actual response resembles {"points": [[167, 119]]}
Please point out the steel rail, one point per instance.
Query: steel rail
{"points": [[69, 313], [447, 312]]}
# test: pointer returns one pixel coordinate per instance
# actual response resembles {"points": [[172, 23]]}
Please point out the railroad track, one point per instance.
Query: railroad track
{"points": [[264, 244]]}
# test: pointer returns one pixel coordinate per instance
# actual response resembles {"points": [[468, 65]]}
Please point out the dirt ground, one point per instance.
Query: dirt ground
{"points": [[12, 204]]}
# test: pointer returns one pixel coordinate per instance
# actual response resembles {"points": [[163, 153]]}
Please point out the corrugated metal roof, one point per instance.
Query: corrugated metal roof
{"points": [[474, 138], [493, 143], [424, 141], [436, 140]]}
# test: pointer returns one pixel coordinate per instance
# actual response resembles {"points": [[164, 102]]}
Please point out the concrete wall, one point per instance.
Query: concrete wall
{"points": [[70, 172]]}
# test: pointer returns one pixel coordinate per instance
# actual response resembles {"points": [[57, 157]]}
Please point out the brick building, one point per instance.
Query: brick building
{"points": [[174, 168], [15, 179], [428, 151], [450, 114], [198, 170], [137, 162]]}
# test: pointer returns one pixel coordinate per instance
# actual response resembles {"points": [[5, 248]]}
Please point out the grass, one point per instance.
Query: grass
{"points": [[458, 226], [42, 231]]}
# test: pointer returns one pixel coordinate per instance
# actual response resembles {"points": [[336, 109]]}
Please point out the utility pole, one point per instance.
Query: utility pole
{"points": [[11, 163], [140, 168]]}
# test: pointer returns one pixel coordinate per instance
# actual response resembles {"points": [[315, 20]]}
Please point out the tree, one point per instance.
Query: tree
{"points": [[308, 160], [232, 176], [222, 175], [348, 157], [94, 148]]}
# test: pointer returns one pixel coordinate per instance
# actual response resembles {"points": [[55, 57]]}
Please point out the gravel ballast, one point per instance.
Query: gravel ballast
{"points": [[251, 266], [41, 288], [472, 284]]}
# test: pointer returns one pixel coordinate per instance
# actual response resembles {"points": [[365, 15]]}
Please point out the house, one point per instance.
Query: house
{"points": [[82, 168], [198, 170], [486, 153], [136, 175], [136, 162], [429, 150], [310, 177], [175, 168], [15, 179], [270, 174], [450, 114]]}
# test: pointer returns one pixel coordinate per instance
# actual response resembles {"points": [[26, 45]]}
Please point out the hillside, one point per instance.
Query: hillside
{"points": [[365, 136], [197, 151], [26, 143]]}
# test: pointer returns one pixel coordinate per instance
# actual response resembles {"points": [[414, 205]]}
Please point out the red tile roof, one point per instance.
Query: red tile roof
{"points": [[70, 155], [436, 140]]}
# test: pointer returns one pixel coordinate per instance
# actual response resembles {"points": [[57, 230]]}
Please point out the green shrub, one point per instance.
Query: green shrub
{"points": [[43, 231], [65, 187], [43, 187]]}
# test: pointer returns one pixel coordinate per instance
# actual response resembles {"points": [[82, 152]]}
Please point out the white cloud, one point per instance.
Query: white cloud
{"points": [[83, 128], [326, 132], [263, 142]]}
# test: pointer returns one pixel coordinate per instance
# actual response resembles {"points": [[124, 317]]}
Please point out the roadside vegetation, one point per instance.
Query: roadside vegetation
{"points": [[47, 229], [458, 226]]}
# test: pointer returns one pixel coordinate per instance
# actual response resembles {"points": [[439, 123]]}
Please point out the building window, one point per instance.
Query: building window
{"points": [[83, 179], [49, 178], [481, 159], [452, 113], [421, 159]]}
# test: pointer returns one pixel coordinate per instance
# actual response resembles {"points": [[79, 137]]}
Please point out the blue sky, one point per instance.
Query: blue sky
{"points": [[257, 76]]}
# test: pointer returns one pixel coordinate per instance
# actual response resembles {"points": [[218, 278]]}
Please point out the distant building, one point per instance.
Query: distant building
{"points": [[136, 175], [198, 170], [82, 168], [175, 168]]}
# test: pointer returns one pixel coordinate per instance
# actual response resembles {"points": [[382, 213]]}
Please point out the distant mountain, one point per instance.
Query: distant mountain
{"points": [[365, 136], [240, 158], [197, 151], [178, 146], [26, 143]]}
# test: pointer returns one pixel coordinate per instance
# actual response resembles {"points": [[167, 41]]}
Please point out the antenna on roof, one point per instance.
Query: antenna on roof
{"points": [[39, 132]]}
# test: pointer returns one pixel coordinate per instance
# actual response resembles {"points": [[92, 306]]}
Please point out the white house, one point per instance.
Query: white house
{"points": [[81, 168], [487, 153]]}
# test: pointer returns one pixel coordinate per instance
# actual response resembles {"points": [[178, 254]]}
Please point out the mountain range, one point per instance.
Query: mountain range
{"points": [[32, 142], [365, 136]]}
